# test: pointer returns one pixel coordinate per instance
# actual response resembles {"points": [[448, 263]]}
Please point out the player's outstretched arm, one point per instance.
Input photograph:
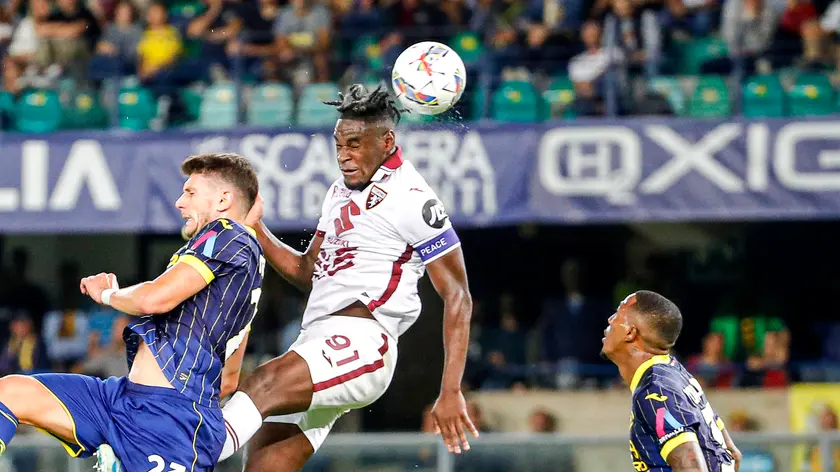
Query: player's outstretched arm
{"points": [[449, 276], [158, 296], [233, 367], [294, 266], [687, 457], [733, 449]]}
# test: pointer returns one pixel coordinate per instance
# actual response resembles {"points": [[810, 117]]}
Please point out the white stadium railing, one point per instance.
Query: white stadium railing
{"points": [[502, 452]]}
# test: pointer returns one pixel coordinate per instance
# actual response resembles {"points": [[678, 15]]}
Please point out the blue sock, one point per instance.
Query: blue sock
{"points": [[8, 426]]}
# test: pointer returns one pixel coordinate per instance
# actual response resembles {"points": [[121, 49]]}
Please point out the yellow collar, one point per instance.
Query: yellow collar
{"points": [[637, 377], [251, 230]]}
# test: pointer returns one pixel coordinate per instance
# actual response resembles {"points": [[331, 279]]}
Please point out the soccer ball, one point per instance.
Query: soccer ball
{"points": [[428, 78]]}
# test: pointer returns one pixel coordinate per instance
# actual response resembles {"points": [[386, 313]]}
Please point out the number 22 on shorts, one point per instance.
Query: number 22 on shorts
{"points": [[160, 465], [338, 343]]}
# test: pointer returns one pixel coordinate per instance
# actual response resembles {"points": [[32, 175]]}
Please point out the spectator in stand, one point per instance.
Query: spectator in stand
{"points": [[754, 458], [109, 360], [588, 69], [67, 38], [117, 50], [220, 25], [770, 369], [748, 27], [66, 330], [302, 37], [798, 34], [24, 294], [638, 34], [571, 327], [826, 421], [544, 457], [830, 32], [24, 352], [256, 40], [160, 46], [744, 328], [711, 368], [505, 347]]}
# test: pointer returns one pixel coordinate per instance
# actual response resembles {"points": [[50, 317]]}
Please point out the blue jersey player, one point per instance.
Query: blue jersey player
{"points": [[672, 425], [184, 347]]}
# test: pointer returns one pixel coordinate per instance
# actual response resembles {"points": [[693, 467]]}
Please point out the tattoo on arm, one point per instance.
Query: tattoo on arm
{"points": [[687, 457]]}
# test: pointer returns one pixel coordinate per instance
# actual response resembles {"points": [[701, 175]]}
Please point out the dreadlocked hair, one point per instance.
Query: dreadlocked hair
{"points": [[358, 103]]}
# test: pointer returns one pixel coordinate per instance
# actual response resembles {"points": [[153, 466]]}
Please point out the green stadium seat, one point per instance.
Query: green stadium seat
{"points": [[191, 99], [311, 108], [670, 88], [560, 98], [84, 111], [479, 107], [763, 96], [710, 98], [38, 111], [516, 101], [136, 107], [469, 46], [271, 105], [7, 109], [189, 9], [219, 107], [812, 94], [696, 52]]}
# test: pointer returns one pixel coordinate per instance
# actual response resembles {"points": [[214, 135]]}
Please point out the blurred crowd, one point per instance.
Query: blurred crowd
{"points": [[167, 45], [744, 346]]}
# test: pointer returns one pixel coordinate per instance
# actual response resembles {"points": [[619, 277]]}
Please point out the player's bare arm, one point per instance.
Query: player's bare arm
{"points": [[687, 457], [232, 369], [733, 449], [294, 266], [158, 296], [449, 277]]}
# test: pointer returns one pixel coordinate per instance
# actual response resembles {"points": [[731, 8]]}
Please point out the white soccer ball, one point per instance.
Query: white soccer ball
{"points": [[428, 78]]}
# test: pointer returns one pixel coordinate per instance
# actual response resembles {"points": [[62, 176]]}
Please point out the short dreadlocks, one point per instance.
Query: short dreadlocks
{"points": [[358, 103]]}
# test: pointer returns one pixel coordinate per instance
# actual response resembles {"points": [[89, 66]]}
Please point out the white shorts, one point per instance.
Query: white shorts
{"points": [[351, 361]]}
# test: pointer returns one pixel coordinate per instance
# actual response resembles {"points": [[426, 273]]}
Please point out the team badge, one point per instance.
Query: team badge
{"points": [[375, 197]]}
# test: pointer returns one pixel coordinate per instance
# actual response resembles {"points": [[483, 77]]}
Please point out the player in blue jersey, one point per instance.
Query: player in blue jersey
{"points": [[184, 347], [672, 425]]}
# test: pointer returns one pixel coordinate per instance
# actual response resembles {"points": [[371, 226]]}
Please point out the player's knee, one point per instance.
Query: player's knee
{"points": [[280, 386], [20, 393]]}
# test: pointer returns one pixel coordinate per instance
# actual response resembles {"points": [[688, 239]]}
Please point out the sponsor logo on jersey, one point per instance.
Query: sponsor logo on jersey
{"points": [[434, 214], [341, 192], [375, 197]]}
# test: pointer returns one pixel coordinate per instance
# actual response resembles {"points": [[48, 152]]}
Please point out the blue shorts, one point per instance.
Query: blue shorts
{"points": [[146, 426]]}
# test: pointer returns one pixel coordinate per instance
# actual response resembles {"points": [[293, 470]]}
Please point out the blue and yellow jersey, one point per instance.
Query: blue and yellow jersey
{"points": [[192, 342], [669, 409]]}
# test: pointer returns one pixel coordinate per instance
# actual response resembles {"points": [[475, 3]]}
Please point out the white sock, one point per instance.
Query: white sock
{"points": [[242, 421]]}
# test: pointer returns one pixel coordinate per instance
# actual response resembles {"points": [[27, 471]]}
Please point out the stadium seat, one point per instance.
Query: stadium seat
{"points": [[560, 98], [515, 101], [812, 94], [38, 111], [7, 109], [136, 107], [191, 99], [671, 90], [311, 108], [699, 51], [84, 111], [710, 98], [271, 105], [469, 46], [763, 96], [219, 107]]}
